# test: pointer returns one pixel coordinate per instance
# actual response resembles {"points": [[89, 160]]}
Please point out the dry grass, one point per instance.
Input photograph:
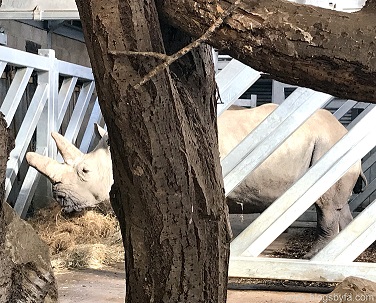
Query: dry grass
{"points": [[89, 239]]}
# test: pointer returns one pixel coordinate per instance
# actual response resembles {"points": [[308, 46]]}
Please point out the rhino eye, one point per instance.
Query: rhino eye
{"points": [[85, 170]]}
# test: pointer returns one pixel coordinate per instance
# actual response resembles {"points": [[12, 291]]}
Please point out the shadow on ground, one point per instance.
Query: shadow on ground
{"points": [[108, 285]]}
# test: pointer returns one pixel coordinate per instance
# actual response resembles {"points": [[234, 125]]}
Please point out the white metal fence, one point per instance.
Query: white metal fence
{"points": [[63, 87], [335, 261], [57, 84]]}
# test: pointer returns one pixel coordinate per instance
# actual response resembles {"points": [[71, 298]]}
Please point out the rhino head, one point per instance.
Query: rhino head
{"points": [[83, 180]]}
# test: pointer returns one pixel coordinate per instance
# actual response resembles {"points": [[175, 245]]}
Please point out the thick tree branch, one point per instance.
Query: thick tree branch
{"points": [[168, 60], [309, 46]]}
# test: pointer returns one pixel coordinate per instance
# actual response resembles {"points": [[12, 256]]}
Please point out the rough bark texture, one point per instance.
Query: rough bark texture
{"points": [[312, 47], [352, 289], [25, 270], [168, 187]]}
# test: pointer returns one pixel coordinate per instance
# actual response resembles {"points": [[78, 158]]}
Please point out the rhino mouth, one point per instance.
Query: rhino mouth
{"points": [[68, 200]]}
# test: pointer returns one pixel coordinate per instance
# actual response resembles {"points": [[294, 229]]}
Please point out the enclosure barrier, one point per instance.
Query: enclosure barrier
{"points": [[66, 92], [54, 93], [335, 261]]}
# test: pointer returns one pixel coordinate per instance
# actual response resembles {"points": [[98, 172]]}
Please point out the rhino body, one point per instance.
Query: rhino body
{"points": [[287, 164], [84, 180]]}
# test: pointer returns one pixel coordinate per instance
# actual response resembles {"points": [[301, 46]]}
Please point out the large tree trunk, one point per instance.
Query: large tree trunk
{"points": [[304, 45], [168, 192]]}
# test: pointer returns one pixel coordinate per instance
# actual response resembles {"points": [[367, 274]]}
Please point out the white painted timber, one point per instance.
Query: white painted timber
{"points": [[352, 240], [278, 91], [28, 188], [15, 92], [24, 135], [2, 67], [47, 119], [47, 107], [247, 102], [215, 59], [232, 82], [286, 209], [304, 270], [74, 70], [361, 105], [95, 117], [48, 69], [19, 58], [65, 95], [272, 132], [78, 114], [349, 104]]}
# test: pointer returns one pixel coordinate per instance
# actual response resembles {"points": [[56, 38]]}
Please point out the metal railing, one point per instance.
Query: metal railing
{"points": [[64, 99], [57, 84]]}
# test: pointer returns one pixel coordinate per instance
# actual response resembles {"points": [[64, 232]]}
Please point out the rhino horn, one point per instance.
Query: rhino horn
{"points": [[67, 150], [46, 166]]}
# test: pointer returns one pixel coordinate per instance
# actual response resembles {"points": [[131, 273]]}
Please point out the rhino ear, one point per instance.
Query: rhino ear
{"points": [[99, 131], [46, 166], [68, 151]]}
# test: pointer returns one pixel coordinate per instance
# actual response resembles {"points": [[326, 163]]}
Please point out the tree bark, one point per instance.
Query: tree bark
{"points": [[168, 191], [26, 273], [326, 50]]}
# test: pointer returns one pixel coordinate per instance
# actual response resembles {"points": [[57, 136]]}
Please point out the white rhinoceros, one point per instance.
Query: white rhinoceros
{"points": [[287, 164], [84, 180]]}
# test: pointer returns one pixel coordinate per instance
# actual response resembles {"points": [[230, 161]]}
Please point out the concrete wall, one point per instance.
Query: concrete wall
{"points": [[18, 33], [66, 49], [70, 50]]}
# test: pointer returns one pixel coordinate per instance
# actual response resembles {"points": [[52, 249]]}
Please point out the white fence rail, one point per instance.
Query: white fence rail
{"points": [[335, 261], [46, 110], [63, 87]]}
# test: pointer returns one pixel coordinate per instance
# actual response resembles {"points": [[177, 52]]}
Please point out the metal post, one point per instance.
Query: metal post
{"points": [[47, 123]]}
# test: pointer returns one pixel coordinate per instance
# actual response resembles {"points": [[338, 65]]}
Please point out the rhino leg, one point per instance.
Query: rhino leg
{"points": [[333, 213], [327, 228], [345, 217]]}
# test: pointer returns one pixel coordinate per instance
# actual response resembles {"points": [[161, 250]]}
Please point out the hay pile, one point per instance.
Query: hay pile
{"points": [[89, 239]]}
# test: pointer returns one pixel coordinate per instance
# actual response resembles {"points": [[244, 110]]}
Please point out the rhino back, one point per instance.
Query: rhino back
{"points": [[287, 164]]}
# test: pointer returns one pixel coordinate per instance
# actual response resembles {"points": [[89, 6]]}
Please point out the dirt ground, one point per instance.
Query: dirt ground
{"points": [[102, 286], [108, 285]]}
